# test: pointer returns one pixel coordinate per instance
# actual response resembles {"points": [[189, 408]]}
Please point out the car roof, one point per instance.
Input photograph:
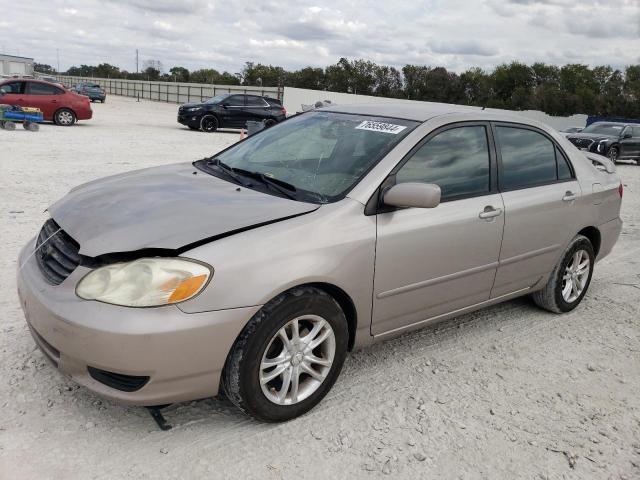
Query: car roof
{"points": [[423, 111]]}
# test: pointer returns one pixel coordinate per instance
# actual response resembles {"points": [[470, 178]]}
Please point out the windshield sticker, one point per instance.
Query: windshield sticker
{"points": [[380, 127]]}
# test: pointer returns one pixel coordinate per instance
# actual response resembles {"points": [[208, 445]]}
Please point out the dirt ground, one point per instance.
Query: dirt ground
{"points": [[506, 392]]}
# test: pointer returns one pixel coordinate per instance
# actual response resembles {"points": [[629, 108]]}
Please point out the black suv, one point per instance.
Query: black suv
{"points": [[618, 141], [231, 111]]}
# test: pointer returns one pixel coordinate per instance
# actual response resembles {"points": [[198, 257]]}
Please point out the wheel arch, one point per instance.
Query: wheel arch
{"points": [[593, 234], [343, 299], [346, 304]]}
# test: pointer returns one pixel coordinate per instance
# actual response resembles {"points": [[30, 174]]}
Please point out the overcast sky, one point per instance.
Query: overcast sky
{"points": [[456, 34]]}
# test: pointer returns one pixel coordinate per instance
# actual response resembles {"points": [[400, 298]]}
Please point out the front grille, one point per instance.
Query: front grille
{"points": [[119, 381], [57, 253], [581, 142]]}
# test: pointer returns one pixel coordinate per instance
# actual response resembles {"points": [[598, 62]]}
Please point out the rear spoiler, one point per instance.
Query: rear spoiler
{"points": [[601, 162]]}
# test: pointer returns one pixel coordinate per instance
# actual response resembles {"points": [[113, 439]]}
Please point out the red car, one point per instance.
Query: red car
{"points": [[58, 105]]}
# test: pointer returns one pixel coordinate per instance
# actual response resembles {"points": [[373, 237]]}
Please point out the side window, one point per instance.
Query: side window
{"points": [[13, 87], [457, 160], [253, 101], [42, 89], [564, 172], [528, 158], [636, 132], [235, 101]]}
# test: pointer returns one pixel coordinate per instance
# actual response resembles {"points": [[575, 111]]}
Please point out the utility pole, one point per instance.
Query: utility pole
{"points": [[137, 71], [58, 60]]}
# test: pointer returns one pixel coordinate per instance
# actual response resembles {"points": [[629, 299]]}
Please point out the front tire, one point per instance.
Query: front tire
{"points": [[64, 117], [288, 356], [570, 278], [209, 123], [613, 155]]}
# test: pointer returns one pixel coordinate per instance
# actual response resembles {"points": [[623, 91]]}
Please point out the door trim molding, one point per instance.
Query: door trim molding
{"points": [[453, 313], [531, 254], [435, 281]]}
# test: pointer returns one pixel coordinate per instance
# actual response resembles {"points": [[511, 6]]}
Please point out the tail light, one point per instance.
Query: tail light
{"points": [[621, 189]]}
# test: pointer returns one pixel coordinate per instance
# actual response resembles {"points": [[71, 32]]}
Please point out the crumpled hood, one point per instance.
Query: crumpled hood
{"points": [[163, 207]]}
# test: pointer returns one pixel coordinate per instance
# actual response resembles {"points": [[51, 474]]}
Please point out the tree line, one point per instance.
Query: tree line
{"points": [[555, 90]]}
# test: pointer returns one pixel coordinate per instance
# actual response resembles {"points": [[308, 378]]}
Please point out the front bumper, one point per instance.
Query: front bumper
{"points": [[189, 120], [182, 354]]}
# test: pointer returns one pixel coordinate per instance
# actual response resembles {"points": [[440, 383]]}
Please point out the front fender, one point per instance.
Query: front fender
{"points": [[334, 245]]}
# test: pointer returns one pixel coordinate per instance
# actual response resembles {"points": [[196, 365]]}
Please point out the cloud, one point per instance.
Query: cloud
{"points": [[456, 34], [463, 48]]}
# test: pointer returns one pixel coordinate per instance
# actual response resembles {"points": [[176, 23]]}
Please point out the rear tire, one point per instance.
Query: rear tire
{"points": [[64, 117], [269, 123], [250, 379], [559, 294]]}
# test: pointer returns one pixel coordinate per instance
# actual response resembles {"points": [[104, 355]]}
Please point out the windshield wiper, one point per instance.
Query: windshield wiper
{"points": [[280, 186], [227, 170]]}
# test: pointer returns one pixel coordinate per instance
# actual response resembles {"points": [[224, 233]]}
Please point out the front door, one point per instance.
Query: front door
{"points": [[541, 198], [12, 93], [630, 146], [430, 262]]}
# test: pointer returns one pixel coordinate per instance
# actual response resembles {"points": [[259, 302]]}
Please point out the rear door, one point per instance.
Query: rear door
{"points": [[44, 96], [256, 109], [13, 93], [540, 195]]}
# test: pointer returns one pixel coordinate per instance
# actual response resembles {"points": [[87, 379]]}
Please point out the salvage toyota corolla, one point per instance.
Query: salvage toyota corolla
{"points": [[253, 272]]}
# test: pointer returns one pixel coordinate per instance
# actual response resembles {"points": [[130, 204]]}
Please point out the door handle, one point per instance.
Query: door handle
{"points": [[490, 212], [569, 196]]}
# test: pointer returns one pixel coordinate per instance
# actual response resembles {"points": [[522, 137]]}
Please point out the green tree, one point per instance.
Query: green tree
{"points": [[179, 74]]}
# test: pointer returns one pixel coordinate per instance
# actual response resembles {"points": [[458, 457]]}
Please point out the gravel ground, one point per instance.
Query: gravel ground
{"points": [[506, 392]]}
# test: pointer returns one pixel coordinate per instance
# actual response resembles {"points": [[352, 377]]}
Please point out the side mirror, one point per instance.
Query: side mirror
{"points": [[418, 195], [627, 135], [224, 105]]}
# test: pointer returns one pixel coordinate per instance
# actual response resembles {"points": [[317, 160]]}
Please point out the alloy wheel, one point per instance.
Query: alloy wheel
{"points": [[297, 360], [576, 275]]}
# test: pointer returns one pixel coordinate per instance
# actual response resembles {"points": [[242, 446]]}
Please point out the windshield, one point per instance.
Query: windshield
{"points": [[217, 98], [604, 129], [322, 155]]}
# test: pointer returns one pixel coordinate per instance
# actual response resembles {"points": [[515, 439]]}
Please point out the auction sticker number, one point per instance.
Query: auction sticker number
{"points": [[380, 127]]}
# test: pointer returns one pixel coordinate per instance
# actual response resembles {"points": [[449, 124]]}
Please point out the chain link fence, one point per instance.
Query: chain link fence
{"points": [[171, 92]]}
